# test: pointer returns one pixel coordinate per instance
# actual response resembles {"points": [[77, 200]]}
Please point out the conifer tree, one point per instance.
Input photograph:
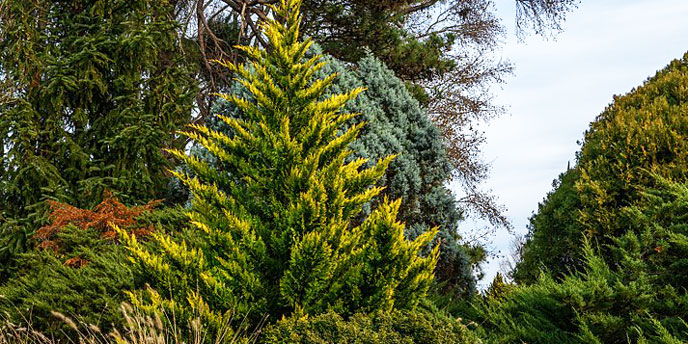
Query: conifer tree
{"points": [[641, 135], [395, 124], [442, 49], [274, 216], [91, 93]]}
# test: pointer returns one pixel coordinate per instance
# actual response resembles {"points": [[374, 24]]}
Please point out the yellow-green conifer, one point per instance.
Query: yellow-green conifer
{"points": [[273, 218]]}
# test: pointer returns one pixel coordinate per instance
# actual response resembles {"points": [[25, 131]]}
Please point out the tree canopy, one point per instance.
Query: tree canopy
{"points": [[92, 92], [443, 50]]}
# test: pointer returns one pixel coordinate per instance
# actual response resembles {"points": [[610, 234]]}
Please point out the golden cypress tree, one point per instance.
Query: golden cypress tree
{"points": [[273, 217]]}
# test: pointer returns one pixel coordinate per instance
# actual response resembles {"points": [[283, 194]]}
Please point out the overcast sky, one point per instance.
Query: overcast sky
{"points": [[560, 86]]}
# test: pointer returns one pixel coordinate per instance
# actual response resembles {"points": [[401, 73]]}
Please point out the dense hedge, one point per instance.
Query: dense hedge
{"points": [[399, 327]]}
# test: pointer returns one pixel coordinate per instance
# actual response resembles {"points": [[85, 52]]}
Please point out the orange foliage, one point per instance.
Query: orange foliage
{"points": [[76, 262], [110, 212]]}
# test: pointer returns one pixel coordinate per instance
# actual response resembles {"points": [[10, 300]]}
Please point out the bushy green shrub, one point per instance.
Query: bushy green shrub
{"points": [[79, 269], [90, 290], [640, 135], [640, 296], [398, 327]]}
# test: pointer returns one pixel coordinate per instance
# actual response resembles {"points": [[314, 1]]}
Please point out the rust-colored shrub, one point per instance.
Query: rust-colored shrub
{"points": [[76, 262], [110, 212]]}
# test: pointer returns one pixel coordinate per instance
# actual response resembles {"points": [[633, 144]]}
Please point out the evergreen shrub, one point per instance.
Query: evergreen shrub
{"points": [[398, 327]]}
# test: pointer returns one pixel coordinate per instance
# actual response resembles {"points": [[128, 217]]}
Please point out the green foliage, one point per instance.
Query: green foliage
{"points": [[641, 135], [640, 297], [396, 327], [659, 240], [555, 233], [92, 292], [498, 288], [441, 49], [274, 215], [395, 124], [379, 27], [92, 91]]}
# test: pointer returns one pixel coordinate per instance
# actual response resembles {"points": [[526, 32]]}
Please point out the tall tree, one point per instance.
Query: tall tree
{"points": [[274, 216], [92, 92]]}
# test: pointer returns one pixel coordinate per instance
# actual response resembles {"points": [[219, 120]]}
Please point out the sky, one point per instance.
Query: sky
{"points": [[606, 48]]}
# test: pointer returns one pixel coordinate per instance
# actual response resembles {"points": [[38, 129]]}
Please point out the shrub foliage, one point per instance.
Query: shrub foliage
{"points": [[641, 297], [643, 134], [398, 327]]}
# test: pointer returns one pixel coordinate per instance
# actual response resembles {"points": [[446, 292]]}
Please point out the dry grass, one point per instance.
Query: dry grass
{"points": [[140, 329]]}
